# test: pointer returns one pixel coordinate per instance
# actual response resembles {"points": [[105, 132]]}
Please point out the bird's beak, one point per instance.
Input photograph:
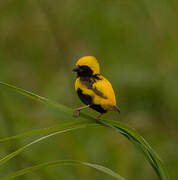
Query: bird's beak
{"points": [[76, 69]]}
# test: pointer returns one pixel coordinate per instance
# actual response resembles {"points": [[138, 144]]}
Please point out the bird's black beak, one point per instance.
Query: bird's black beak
{"points": [[76, 69]]}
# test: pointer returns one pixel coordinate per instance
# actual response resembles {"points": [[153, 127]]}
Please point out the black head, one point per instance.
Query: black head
{"points": [[83, 71]]}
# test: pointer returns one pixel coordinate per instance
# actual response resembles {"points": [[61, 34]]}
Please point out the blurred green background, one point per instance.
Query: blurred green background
{"points": [[136, 43]]}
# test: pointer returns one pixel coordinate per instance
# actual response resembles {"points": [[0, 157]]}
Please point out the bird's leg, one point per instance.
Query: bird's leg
{"points": [[79, 109], [99, 117]]}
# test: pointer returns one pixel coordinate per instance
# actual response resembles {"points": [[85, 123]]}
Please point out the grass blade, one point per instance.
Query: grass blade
{"points": [[44, 100], [52, 129], [142, 145], [66, 129], [63, 163], [128, 132]]}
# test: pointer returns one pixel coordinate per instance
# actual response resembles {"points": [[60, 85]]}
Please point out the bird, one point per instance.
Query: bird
{"points": [[93, 89]]}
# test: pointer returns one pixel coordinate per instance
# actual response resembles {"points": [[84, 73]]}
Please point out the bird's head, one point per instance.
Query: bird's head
{"points": [[87, 66]]}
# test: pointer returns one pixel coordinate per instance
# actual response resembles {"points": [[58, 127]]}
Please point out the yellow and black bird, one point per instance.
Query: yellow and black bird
{"points": [[93, 89]]}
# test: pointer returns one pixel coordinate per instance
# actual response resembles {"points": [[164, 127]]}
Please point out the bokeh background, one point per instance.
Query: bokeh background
{"points": [[136, 43]]}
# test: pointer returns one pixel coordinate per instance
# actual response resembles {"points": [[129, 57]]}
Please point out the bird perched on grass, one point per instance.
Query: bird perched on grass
{"points": [[94, 90]]}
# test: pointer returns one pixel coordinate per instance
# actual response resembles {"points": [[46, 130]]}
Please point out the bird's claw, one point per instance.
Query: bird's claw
{"points": [[98, 118], [77, 113]]}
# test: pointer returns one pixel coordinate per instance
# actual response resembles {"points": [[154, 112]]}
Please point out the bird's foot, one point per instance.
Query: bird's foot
{"points": [[79, 109], [98, 119], [77, 113]]}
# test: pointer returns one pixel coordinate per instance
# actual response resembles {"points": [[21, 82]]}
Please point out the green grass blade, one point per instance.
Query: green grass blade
{"points": [[57, 127], [128, 132], [60, 107], [44, 100], [63, 163], [66, 129], [142, 145]]}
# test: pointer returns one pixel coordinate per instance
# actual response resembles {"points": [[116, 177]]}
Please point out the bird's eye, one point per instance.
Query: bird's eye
{"points": [[86, 70], [83, 71]]}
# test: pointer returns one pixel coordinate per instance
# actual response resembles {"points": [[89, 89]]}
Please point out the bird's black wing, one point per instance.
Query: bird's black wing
{"points": [[88, 82]]}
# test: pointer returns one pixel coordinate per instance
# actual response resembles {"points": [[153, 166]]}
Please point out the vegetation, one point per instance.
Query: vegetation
{"points": [[136, 44]]}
